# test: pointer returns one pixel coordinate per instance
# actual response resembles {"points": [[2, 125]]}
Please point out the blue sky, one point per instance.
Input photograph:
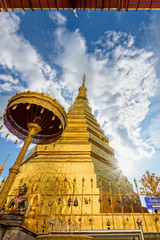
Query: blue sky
{"points": [[119, 52]]}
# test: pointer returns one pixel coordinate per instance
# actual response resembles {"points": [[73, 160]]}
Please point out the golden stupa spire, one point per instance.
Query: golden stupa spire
{"points": [[82, 95], [3, 166]]}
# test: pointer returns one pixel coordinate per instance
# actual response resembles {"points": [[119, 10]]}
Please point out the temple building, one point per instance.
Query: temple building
{"points": [[76, 182]]}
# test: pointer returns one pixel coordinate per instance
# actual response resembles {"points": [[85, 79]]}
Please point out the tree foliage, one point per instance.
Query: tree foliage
{"points": [[150, 185]]}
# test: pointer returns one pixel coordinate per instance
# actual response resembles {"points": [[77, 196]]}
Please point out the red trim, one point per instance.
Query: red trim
{"points": [[84, 4], [6, 7], [119, 5], [150, 5], [137, 4], [30, 3], [102, 5], [109, 3], [127, 3], [21, 5], [40, 5], [2, 5], [56, 3], [62, 5], [48, 5]]}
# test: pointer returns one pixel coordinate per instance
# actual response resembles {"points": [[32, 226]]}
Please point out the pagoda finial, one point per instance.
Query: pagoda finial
{"points": [[82, 95], [83, 79]]}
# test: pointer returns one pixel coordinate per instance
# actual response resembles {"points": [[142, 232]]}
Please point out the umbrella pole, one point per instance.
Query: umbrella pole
{"points": [[33, 129]]}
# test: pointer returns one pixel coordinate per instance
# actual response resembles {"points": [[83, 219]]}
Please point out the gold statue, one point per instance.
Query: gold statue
{"points": [[34, 201]]}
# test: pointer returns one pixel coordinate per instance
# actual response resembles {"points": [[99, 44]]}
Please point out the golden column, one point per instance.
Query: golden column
{"points": [[33, 129], [33, 117]]}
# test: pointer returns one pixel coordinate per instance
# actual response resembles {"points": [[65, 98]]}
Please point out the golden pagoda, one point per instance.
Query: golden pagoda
{"points": [[76, 181]]}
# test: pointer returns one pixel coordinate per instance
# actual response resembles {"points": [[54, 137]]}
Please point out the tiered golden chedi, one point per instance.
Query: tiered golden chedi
{"points": [[77, 182]]}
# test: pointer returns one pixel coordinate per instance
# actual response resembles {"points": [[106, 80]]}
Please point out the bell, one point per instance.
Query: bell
{"points": [[44, 225], [69, 202], [14, 107], [76, 202], [99, 200], [7, 135], [42, 110], [108, 223], [28, 107]]}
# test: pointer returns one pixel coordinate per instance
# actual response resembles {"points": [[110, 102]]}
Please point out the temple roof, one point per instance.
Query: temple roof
{"points": [[79, 4]]}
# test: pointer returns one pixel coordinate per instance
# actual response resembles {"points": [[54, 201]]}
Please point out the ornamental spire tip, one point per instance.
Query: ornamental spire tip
{"points": [[83, 79]]}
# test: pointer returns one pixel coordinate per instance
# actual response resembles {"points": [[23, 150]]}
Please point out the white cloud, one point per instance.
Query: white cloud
{"points": [[121, 80], [58, 18]]}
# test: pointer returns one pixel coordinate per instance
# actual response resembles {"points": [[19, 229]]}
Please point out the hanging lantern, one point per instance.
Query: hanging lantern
{"points": [[99, 200], [75, 202], [109, 200], [7, 135], [56, 183], [53, 117], [44, 225], [65, 182], [60, 126], [42, 110], [108, 223], [69, 221], [28, 107], [69, 202], [59, 201]]}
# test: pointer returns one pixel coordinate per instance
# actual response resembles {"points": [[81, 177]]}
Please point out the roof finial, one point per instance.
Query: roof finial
{"points": [[84, 79]]}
